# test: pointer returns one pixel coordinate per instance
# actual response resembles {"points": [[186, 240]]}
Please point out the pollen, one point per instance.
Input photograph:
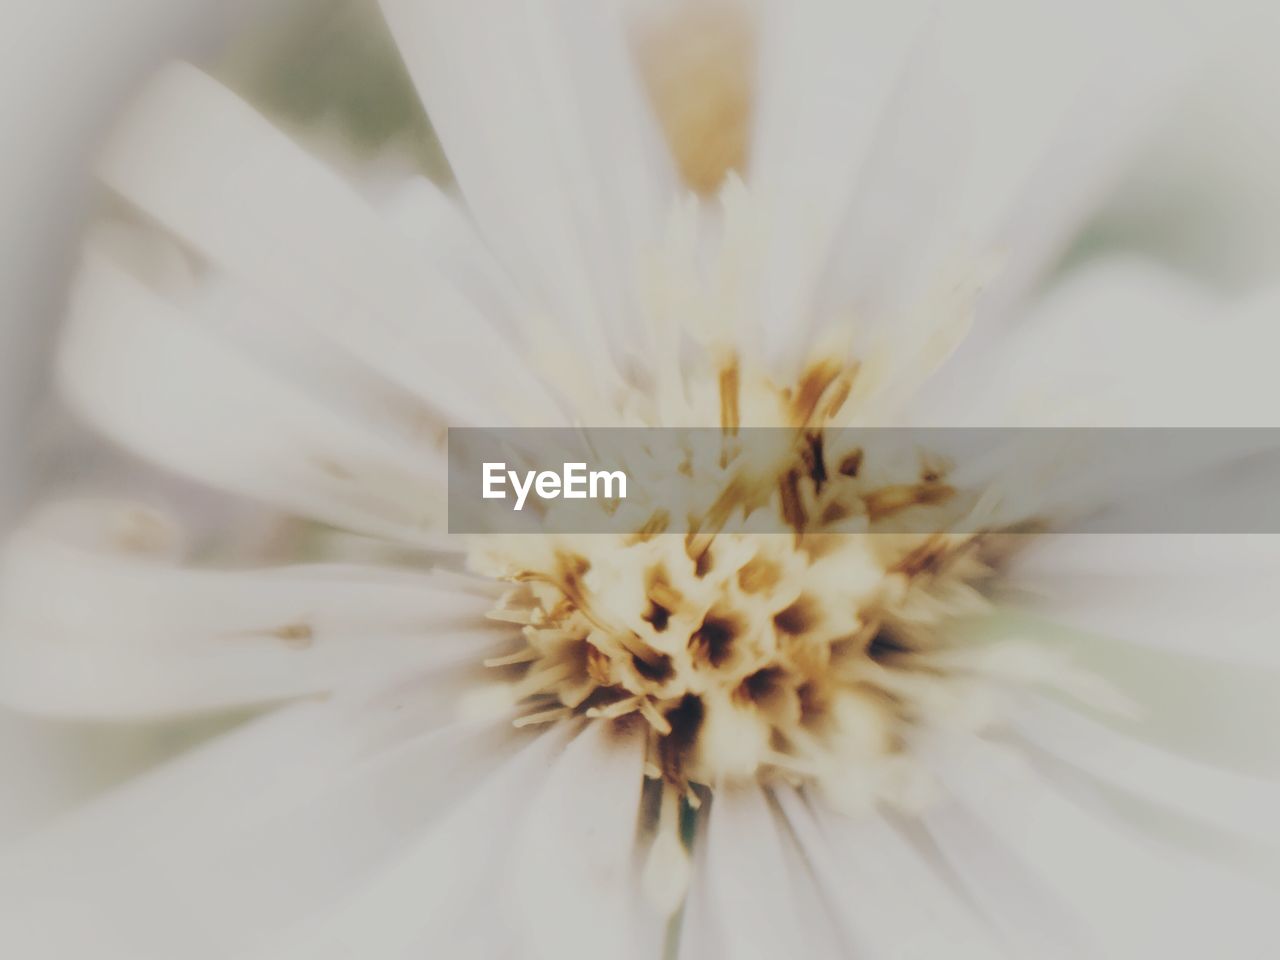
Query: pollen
{"points": [[807, 656]]}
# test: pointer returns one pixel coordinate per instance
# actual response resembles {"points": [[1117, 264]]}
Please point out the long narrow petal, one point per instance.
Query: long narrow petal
{"points": [[1232, 802], [1028, 914], [1137, 898], [744, 901], [1047, 103], [165, 386], [548, 131], [828, 73], [886, 898], [434, 896], [1166, 340], [263, 828], [439, 222], [144, 637], [210, 169], [569, 887], [1203, 596]]}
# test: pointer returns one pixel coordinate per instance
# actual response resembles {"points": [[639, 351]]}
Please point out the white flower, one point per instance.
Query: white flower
{"points": [[502, 748]]}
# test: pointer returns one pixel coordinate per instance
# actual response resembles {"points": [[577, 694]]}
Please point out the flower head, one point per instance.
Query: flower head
{"points": [[795, 723]]}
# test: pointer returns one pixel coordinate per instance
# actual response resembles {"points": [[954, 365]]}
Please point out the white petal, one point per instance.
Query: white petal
{"points": [[1060, 98], [1214, 711], [1232, 802], [90, 633], [1175, 356], [435, 895], [265, 334], [1136, 899], [296, 356], [1204, 596], [546, 127], [1050, 372], [744, 901], [887, 246], [203, 164], [887, 899], [167, 387], [52, 766], [1029, 916], [1172, 356], [439, 223], [1177, 556], [828, 70], [264, 828], [569, 890], [815, 913], [995, 130]]}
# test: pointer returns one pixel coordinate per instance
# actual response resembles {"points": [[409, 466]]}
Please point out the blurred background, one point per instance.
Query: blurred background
{"points": [[1205, 197]]}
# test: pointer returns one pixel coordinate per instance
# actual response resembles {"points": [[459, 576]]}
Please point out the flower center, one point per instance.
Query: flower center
{"points": [[805, 656]]}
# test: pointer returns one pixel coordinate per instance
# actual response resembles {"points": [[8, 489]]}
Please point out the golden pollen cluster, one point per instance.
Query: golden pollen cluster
{"points": [[806, 655]]}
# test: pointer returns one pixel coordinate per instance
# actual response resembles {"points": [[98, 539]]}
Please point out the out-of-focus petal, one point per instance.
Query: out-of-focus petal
{"points": [[281, 820], [828, 73], [1188, 594], [1028, 916], [167, 387], [434, 895], [745, 900], [1232, 802], [1128, 343], [87, 629], [1059, 101], [438, 221], [554, 145], [982, 129], [569, 888], [884, 896], [1135, 897], [206, 166]]}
